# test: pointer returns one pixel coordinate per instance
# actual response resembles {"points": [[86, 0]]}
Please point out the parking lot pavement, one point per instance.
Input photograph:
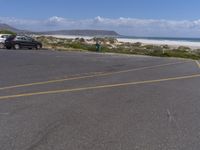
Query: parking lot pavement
{"points": [[198, 63], [74, 100]]}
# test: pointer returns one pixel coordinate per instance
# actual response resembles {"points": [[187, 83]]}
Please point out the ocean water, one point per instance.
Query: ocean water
{"points": [[165, 39]]}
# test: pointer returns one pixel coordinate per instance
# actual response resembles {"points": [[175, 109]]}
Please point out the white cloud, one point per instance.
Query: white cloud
{"points": [[126, 26], [56, 19]]}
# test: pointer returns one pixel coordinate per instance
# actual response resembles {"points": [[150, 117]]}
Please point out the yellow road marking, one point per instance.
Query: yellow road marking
{"points": [[198, 63], [98, 87], [46, 82], [87, 76]]}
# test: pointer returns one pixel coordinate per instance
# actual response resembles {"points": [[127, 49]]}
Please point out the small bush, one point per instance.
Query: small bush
{"points": [[137, 44], [148, 46], [165, 47], [127, 48], [7, 32], [183, 49]]}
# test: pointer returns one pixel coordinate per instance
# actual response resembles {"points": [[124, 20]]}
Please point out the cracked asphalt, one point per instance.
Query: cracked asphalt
{"points": [[52, 100]]}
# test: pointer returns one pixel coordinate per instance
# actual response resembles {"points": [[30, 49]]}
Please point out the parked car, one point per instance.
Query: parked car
{"points": [[3, 37], [18, 42]]}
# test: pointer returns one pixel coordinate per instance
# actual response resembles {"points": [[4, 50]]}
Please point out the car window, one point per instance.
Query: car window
{"points": [[18, 38], [21, 38], [29, 39], [24, 39]]}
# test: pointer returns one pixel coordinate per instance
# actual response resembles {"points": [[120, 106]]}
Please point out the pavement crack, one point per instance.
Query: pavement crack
{"points": [[42, 136], [169, 115], [172, 119]]}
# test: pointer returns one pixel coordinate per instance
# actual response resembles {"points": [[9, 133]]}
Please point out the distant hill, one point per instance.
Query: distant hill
{"points": [[83, 32], [7, 27], [62, 32]]}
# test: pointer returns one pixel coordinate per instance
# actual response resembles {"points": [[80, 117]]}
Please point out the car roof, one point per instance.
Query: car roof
{"points": [[23, 36]]}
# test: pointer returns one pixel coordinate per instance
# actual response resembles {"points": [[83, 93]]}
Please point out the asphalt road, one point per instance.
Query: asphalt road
{"points": [[87, 101]]}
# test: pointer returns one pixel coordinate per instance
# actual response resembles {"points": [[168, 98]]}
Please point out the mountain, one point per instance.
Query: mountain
{"points": [[62, 32], [82, 32], [7, 27]]}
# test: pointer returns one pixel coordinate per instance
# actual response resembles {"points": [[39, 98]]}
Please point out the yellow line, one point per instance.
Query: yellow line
{"points": [[98, 87], [87, 76], [198, 64], [45, 82]]}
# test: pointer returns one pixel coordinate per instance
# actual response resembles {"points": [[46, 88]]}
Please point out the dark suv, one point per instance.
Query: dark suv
{"points": [[18, 42]]}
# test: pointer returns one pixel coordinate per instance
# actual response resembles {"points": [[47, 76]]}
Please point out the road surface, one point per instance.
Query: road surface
{"points": [[87, 101]]}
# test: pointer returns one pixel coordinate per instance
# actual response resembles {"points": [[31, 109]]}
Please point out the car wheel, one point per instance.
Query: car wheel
{"points": [[38, 47], [1, 45], [8, 47], [17, 46]]}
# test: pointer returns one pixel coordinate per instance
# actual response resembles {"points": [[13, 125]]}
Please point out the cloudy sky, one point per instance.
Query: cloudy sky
{"points": [[171, 18]]}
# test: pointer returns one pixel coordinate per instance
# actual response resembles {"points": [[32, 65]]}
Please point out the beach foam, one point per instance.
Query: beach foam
{"points": [[193, 45]]}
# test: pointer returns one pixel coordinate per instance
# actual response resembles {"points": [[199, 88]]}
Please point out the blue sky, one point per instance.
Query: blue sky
{"points": [[129, 17]]}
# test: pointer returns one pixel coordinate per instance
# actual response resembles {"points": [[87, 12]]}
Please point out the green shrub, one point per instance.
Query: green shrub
{"points": [[148, 46], [137, 44], [165, 46], [183, 49], [127, 48], [7, 32]]}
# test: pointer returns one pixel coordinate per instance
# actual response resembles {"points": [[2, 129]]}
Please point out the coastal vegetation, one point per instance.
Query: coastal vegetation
{"points": [[112, 45], [7, 32]]}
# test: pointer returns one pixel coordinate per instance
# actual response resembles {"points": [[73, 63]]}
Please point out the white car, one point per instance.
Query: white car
{"points": [[3, 37]]}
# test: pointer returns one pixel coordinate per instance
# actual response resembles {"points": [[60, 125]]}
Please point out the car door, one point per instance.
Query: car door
{"points": [[30, 42], [21, 41]]}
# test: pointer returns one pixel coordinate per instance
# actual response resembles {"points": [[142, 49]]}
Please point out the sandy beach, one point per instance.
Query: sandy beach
{"points": [[171, 43], [192, 45]]}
